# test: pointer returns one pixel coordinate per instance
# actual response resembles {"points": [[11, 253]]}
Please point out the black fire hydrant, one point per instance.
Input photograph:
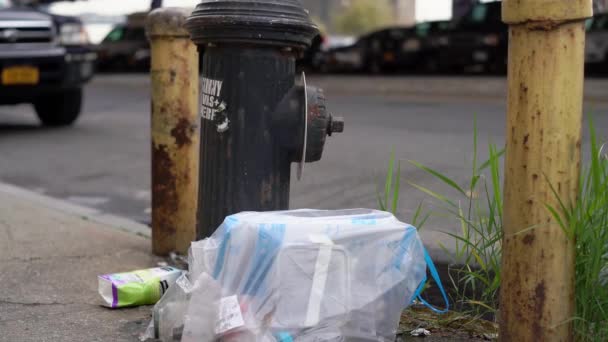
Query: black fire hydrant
{"points": [[257, 117]]}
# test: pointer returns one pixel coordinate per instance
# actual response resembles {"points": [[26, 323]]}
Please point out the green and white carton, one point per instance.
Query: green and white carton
{"points": [[142, 287]]}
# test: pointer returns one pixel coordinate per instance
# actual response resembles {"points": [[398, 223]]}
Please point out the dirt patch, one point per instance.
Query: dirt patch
{"points": [[452, 326]]}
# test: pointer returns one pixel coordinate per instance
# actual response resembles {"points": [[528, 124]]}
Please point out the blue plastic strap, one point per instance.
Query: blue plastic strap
{"points": [[420, 287], [435, 276], [284, 337]]}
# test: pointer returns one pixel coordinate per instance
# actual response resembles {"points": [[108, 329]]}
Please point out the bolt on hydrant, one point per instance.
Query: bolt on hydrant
{"points": [[256, 120]]}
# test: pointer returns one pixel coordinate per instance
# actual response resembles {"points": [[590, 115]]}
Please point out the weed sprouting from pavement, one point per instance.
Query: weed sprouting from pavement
{"points": [[389, 200], [475, 274]]}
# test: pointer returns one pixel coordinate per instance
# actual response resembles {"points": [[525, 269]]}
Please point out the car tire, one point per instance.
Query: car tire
{"points": [[60, 109]]}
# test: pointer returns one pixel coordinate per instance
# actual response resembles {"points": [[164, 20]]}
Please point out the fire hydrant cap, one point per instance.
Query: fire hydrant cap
{"points": [[268, 22]]}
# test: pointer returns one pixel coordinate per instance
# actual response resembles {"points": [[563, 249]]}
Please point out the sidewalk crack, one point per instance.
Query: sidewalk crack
{"points": [[10, 302], [69, 257]]}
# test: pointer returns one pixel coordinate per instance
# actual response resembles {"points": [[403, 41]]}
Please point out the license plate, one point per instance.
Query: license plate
{"points": [[20, 75]]}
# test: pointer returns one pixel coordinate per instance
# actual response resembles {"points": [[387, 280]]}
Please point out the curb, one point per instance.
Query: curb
{"points": [[86, 213]]}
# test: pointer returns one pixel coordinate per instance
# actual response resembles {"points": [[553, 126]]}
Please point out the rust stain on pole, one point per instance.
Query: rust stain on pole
{"points": [[175, 132], [545, 79]]}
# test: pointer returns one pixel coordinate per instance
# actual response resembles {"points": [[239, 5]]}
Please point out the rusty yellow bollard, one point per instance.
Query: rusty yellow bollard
{"points": [[545, 79], [175, 131]]}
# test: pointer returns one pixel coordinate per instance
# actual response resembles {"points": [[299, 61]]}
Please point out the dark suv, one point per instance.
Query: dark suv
{"points": [[126, 47], [45, 60], [479, 39]]}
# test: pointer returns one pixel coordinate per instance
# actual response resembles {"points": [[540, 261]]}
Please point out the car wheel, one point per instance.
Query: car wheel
{"points": [[60, 109]]}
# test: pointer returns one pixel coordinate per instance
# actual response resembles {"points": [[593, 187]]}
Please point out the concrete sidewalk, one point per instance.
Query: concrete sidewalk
{"points": [[50, 255]]}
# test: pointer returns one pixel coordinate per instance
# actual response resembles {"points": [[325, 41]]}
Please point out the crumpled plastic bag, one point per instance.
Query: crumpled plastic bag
{"points": [[169, 313], [203, 309], [304, 275]]}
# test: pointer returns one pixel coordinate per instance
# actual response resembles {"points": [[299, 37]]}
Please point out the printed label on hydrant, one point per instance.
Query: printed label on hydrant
{"points": [[211, 104]]}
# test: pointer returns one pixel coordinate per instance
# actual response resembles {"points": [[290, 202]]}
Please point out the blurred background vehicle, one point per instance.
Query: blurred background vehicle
{"points": [[126, 47], [596, 48], [383, 36], [314, 57], [475, 40], [478, 41], [343, 58], [428, 34], [391, 49], [337, 41], [45, 60]]}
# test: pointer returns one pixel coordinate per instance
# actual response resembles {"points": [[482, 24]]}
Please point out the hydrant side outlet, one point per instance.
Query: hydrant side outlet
{"points": [[255, 119]]}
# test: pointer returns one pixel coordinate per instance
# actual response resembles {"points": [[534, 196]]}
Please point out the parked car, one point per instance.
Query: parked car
{"points": [[347, 58], [374, 52], [478, 39], [337, 41], [389, 49], [45, 60], [126, 47], [596, 49], [427, 34]]}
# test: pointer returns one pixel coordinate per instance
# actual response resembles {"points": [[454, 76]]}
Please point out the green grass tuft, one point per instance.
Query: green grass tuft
{"points": [[475, 273]]}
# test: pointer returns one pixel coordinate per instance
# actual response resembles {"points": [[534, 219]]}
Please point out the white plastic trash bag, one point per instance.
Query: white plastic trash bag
{"points": [[310, 275], [202, 312]]}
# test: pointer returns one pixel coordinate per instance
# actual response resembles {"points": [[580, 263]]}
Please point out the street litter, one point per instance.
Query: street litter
{"points": [[490, 337], [304, 275], [420, 332], [142, 287]]}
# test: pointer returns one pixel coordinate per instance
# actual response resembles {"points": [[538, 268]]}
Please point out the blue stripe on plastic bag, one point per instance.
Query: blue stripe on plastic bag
{"points": [[229, 222], [270, 239]]}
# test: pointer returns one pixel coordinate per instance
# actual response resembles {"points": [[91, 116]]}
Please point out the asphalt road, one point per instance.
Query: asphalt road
{"points": [[104, 161]]}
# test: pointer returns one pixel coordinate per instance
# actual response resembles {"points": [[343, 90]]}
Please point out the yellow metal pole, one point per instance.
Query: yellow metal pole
{"points": [[175, 132], [545, 82]]}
